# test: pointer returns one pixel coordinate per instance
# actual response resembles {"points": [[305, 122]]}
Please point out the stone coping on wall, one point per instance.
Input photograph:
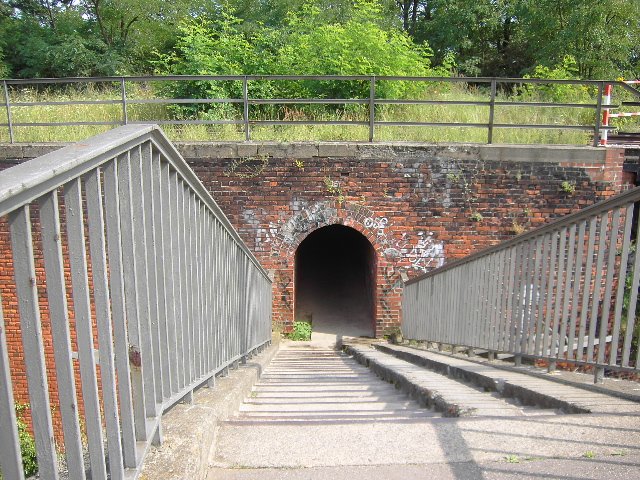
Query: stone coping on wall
{"points": [[356, 150]]}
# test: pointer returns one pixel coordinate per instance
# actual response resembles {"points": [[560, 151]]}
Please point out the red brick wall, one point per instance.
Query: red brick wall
{"points": [[418, 205]]}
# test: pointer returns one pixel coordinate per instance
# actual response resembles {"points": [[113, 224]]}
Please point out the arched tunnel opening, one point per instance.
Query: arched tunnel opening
{"points": [[335, 286]]}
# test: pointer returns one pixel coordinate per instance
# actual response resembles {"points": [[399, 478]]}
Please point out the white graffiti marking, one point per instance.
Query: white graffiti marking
{"points": [[267, 235], [426, 253]]}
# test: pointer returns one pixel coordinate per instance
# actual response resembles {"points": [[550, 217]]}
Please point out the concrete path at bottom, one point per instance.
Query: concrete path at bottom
{"points": [[295, 426]]}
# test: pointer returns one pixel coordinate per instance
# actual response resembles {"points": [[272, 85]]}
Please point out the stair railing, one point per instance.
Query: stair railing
{"points": [[124, 288], [565, 292]]}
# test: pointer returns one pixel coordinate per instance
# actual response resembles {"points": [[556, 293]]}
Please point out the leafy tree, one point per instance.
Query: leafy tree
{"points": [[306, 45], [511, 37], [602, 37], [485, 36], [567, 69]]}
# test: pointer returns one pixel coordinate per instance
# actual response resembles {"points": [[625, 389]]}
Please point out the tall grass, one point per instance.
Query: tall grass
{"points": [[520, 115]]}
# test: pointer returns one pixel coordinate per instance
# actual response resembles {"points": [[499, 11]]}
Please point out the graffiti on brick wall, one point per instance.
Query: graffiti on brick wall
{"points": [[419, 251], [286, 231], [425, 253], [379, 224], [283, 282]]}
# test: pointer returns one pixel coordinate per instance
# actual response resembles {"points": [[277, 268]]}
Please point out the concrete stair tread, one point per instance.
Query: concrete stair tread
{"points": [[449, 396], [345, 407], [396, 417], [347, 414], [528, 388], [324, 386]]}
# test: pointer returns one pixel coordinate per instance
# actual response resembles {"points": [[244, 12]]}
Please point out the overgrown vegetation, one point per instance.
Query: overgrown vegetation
{"points": [[54, 38], [635, 316], [27, 443], [301, 332]]}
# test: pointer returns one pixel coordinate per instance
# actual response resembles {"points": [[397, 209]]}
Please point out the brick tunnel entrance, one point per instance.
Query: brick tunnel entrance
{"points": [[335, 285]]}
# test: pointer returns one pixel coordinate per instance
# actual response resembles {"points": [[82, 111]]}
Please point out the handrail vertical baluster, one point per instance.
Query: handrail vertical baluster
{"points": [[598, 122], [10, 456], [123, 92], [245, 109], [492, 108], [372, 107], [7, 103]]}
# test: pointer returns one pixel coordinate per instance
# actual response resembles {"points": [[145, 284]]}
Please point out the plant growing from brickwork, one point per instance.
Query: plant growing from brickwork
{"points": [[568, 187], [334, 189], [517, 228], [465, 178], [247, 167], [476, 217], [299, 164]]}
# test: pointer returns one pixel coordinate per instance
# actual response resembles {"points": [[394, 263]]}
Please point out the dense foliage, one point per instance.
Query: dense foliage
{"points": [[52, 38], [27, 443], [305, 45], [301, 332]]}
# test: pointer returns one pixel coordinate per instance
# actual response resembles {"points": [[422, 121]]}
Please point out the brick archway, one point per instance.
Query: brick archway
{"points": [[391, 264], [335, 283]]}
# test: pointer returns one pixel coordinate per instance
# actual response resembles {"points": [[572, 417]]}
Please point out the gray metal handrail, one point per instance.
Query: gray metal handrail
{"points": [[158, 277], [565, 292], [371, 101]]}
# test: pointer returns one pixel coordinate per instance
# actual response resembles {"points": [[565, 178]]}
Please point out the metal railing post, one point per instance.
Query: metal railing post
{"points": [[8, 106], [372, 107], [123, 92], [492, 108], [245, 110], [598, 122]]}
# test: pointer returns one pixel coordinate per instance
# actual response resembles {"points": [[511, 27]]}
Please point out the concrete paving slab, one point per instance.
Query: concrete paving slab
{"points": [[434, 440], [613, 467]]}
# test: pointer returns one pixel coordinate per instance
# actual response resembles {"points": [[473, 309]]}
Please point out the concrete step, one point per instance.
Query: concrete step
{"points": [[325, 406], [329, 419], [317, 397], [452, 398], [527, 389], [322, 385], [354, 413]]}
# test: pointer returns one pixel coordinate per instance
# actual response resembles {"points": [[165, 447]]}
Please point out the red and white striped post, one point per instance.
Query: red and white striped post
{"points": [[606, 115], [606, 100]]}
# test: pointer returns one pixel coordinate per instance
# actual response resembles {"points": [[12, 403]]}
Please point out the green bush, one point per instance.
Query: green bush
{"points": [[306, 46], [559, 93], [635, 339], [27, 443], [301, 332]]}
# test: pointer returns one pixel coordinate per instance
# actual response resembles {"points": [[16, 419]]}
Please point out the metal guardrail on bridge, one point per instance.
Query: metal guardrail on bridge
{"points": [[162, 284], [246, 121], [566, 292]]}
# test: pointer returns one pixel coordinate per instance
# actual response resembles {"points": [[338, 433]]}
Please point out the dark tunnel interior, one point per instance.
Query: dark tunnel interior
{"points": [[335, 283]]}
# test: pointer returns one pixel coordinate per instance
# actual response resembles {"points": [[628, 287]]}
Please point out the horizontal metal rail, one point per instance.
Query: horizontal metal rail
{"points": [[160, 282], [565, 292], [372, 101]]}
